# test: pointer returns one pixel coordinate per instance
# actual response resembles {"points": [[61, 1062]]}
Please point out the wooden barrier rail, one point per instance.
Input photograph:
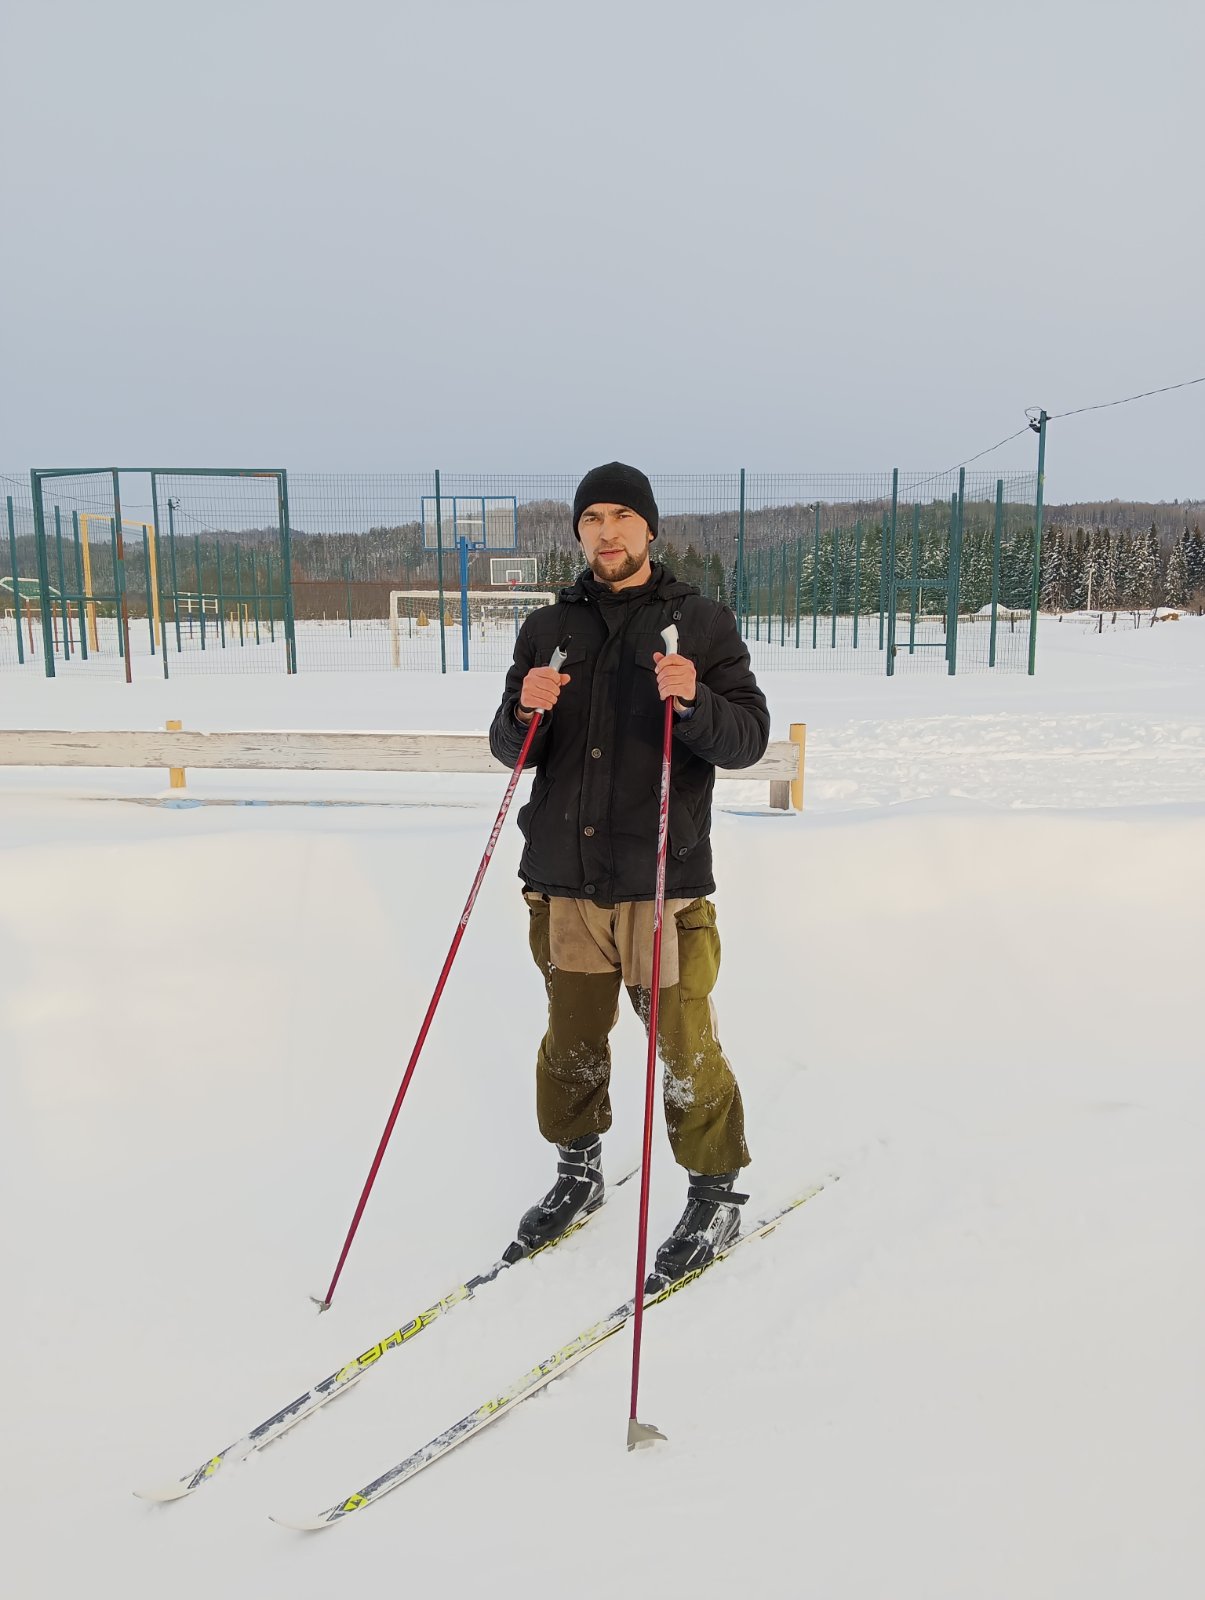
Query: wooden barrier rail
{"points": [[304, 751]]}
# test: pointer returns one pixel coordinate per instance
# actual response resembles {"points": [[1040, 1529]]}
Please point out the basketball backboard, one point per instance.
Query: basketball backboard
{"points": [[484, 522]]}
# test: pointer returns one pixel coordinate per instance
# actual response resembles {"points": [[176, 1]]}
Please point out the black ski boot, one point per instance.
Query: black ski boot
{"points": [[709, 1224], [577, 1191]]}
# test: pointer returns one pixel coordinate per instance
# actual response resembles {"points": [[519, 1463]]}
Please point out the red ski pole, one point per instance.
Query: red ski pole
{"points": [[641, 1433], [558, 657]]}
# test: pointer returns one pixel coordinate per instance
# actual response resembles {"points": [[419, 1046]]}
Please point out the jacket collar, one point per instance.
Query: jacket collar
{"points": [[663, 586]]}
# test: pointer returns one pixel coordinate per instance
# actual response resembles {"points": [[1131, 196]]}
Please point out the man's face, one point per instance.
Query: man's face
{"points": [[615, 542]]}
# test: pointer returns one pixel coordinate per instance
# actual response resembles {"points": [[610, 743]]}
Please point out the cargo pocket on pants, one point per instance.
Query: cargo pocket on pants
{"points": [[698, 950], [538, 937]]}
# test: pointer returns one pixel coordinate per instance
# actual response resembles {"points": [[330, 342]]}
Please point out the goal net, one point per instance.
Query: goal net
{"points": [[493, 614]]}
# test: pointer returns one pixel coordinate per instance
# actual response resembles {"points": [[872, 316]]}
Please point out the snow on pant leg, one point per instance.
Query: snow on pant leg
{"points": [[573, 1065], [703, 1109]]}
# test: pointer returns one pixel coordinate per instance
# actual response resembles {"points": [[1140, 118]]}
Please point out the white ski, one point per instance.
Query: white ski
{"points": [[586, 1342], [341, 1381]]}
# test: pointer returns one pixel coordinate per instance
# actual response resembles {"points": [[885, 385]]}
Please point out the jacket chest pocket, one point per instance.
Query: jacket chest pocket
{"points": [[646, 702], [646, 698], [577, 668]]}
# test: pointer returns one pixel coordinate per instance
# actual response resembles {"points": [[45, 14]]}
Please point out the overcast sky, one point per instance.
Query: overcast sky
{"points": [[533, 236]]}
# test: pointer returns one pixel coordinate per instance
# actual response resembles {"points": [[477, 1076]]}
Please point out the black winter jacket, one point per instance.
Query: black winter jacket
{"points": [[590, 825]]}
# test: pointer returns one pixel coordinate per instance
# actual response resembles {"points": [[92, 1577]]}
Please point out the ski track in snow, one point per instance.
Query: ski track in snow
{"points": [[965, 980]]}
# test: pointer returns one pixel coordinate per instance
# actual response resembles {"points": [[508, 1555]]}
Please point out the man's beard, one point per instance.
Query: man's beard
{"points": [[616, 574]]}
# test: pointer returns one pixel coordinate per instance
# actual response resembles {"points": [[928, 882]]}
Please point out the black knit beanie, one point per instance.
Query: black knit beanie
{"points": [[616, 485]]}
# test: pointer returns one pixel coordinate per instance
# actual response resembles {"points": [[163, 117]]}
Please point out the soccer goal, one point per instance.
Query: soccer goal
{"points": [[492, 614]]}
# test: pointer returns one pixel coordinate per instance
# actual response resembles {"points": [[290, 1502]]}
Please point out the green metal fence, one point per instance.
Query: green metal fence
{"points": [[178, 571]]}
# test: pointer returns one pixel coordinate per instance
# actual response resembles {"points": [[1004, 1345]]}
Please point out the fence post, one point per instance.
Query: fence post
{"points": [[171, 539], [117, 576], [836, 549], [146, 565], [742, 595], [997, 534], [39, 538], [154, 587], [782, 638], [12, 546], [64, 620], [255, 593], [439, 573], [892, 600], [217, 549], [79, 586], [956, 572], [157, 549], [798, 582], [123, 606], [286, 541], [201, 588], [1039, 427], [882, 581], [816, 582]]}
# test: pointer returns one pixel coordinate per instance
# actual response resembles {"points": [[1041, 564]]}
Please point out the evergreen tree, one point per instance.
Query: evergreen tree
{"points": [[1194, 555], [692, 570], [1107, 570], [1052, 594], [558, 568], [1124, 562], [1091, 570], [1175, 586], [717, 587], [1145, 570], [1016, 571], [1077, 571], [975, 576]]}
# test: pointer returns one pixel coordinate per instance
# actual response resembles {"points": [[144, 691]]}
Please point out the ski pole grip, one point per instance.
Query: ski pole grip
{"points": [[670, 635], [555, 661]]}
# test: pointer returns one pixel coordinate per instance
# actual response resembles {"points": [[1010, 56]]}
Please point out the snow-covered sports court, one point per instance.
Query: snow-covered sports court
{"points": [[966, 980]]}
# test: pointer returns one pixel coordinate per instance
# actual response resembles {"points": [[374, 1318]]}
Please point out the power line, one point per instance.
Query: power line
{"points": [[1103, 405], [1126, 400], [933, 476]]}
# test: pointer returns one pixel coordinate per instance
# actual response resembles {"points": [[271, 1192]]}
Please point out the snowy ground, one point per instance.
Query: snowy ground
{"points": [[967, 979]]}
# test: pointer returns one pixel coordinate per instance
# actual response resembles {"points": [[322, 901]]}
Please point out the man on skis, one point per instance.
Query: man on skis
{"points": [[589, 861]]}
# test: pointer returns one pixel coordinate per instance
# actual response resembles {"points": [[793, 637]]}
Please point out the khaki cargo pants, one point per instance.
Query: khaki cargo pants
{"points": [[585, 952]]}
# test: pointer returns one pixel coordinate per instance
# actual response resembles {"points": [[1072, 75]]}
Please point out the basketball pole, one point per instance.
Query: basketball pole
{"points": [[462, 544]]}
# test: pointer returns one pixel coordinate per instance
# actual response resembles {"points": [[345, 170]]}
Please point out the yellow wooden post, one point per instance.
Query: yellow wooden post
{"points": [[176, 774], [85, 522], [799, 733], [152, 576]]}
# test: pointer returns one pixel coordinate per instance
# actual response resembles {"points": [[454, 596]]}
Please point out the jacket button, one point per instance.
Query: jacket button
{"points": [[596, 752], [682, 850], [588, 887], [589, 832]]}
